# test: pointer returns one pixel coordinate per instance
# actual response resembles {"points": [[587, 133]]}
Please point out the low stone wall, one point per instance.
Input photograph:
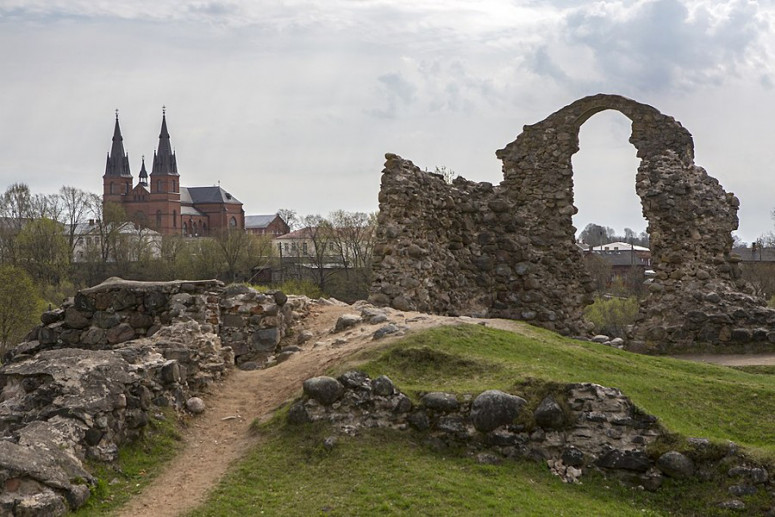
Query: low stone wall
{"points": [[98, 370], [575, 428]]}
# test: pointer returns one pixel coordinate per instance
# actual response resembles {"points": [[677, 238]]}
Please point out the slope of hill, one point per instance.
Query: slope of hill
{"points": [[296, 471]]}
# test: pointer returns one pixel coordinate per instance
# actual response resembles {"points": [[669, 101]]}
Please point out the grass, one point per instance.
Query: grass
{"points": [[692, 399], [391, 473], [138, 463], [381, 473]]}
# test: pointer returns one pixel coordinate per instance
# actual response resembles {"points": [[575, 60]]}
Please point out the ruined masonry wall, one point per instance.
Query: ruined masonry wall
{"points": [[509, 250], [98, 370]]}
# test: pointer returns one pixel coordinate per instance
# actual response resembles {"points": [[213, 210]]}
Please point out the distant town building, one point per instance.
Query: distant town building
{"points": [[271, 224], [131, 241], [158, 201]]}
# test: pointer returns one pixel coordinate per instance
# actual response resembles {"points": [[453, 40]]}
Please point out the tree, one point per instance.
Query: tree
{"points": [[16, 205], [75, 209], [43, 251], [446, 173], [595, 235], [234, 246], [19, 306], [319, 233], [290, 217]]}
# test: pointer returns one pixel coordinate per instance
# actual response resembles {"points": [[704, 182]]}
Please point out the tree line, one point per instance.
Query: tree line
{"points": [[52, 245]]}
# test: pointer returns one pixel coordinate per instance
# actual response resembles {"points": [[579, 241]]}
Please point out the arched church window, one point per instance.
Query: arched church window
{"points": [[174, 218], [233, 222], [158, 218]]}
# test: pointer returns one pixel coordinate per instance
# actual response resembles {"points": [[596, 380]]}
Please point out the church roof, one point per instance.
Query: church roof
{"points": [[215, 194], [259, 221]]}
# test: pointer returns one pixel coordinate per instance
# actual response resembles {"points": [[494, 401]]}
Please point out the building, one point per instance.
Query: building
{"points": [[130, 242], [158, 201], [271, 224]]}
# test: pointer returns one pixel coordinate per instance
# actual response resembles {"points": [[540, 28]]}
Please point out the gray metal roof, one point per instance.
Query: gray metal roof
{"points": [[259, 221], [215, 194]]}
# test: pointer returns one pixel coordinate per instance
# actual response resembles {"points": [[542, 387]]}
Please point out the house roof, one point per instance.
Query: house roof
{"points": [[619, 246], [259, 221], [125, 228], [304, 233], [214, 194], [755, 255], [190, 210]]}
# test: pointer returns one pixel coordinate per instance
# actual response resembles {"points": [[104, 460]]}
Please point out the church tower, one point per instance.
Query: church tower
{"points": [[117, 181], [164, 184]]}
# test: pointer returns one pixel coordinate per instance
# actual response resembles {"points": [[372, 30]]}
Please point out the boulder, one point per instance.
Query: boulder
{"points": [[325, 390], [439, 401], [346, 321], [494, 408], [675, 465], [549, 414]]}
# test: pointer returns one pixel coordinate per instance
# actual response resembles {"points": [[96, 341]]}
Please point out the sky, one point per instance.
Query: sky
{"points": [[294, 103]]}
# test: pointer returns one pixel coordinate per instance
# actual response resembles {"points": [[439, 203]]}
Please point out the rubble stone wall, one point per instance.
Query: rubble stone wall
{"points": [[575, 429], [509, 250], [98, 369]]}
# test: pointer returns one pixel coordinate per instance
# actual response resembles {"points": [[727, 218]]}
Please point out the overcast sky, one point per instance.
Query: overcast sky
{"points": [[293, 104]]}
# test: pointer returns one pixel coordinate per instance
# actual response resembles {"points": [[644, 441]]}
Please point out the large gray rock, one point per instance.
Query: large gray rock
{"points": [[675, 465], [439, 401], [346, 321], [549, 414], [494, 408], [325, 390]]}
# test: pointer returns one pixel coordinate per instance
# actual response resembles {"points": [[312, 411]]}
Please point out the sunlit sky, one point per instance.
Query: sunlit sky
{"points": [[293, 104]]}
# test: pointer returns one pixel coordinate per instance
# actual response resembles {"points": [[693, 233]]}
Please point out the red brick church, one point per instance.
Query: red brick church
{"points": [[158, 201]]}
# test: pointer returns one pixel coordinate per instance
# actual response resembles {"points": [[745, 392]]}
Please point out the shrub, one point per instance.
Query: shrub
{"points": [[611, 316]]}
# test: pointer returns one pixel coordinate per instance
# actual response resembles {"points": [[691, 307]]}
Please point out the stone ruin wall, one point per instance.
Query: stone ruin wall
{"points": [[509, 250], [97, 370]]}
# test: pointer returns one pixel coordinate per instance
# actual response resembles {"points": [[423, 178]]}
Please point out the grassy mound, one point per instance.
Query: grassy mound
{"points": [[390, 473]]}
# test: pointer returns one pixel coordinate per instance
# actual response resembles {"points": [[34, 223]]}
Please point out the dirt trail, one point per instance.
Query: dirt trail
{"points": [[221, 434], [767, 359]]}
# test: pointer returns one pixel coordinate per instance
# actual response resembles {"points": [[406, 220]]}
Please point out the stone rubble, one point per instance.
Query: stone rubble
{"points": [[97, 371]]}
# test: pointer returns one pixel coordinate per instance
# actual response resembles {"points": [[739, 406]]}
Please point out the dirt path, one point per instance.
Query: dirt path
{"points": [[221, 435], [730, 359]]}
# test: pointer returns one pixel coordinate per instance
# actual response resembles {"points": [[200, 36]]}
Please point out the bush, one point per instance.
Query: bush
{"points": [[611, 316], [300, 287]]}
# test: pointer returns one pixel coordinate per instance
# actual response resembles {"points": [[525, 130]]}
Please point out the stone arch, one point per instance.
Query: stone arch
{"points": [[509, 250]]}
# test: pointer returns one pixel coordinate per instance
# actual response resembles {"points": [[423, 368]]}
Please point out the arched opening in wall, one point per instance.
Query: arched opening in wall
{"points": [[609, 224]]}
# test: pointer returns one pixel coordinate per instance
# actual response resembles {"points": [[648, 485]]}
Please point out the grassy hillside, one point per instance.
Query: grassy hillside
{"points": [[390, 473]]}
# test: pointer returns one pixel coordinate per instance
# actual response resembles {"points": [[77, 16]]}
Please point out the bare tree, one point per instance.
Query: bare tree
{"points": [[75, 209], [290, 217]]}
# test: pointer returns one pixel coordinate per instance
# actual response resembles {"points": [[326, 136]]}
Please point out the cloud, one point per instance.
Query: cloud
{"points": [[656, 45]]}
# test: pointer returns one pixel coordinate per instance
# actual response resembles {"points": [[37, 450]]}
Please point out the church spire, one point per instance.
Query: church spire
{"points": [[164, 161], [143, 174], [118, 160]]}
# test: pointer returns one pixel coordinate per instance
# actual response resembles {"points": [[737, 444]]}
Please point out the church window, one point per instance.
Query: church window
{"points": [[233, 223], [185, 228], [158, 185], [174, 218], [158, 218], [111, 187]]}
